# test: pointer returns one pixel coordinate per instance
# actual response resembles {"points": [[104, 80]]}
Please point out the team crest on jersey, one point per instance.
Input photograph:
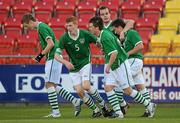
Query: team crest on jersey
{"points": [[82, 40], [70, 42]]}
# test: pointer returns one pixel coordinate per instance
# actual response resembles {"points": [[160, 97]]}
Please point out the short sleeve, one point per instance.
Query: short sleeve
{"points": [[45, 33], [134, 37], [61, 43]]}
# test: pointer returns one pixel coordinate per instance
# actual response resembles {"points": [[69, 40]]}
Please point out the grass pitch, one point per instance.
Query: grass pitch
{"points": [[165, 113]]}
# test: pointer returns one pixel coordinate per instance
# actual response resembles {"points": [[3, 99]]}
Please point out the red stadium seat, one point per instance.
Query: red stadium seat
{"points": [[83, 21], [4, 10], [58, 33], [43, 11], [7, 45], [65, 7], [22, 7], [87, 7], [26, 45], [146, 27], [58, 23], [130, 10], [146, 24], [33, 34], [13, 25], [153, 9]]}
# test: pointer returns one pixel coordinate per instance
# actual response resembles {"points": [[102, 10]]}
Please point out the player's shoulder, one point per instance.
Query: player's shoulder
{"points": [[43, 25], [83, 31], [107, 32], [64, 36], [132, 31]]}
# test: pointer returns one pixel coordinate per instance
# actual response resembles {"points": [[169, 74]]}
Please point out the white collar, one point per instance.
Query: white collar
{"points": [[38, 25], [108, 24], [74, 38], [100, 34]]}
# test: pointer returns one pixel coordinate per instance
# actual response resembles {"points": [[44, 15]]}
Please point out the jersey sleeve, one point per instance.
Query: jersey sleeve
{"points": [[61, 43], [109, 45], [45, 33], [134, 37], [60, 46], [91, 38]]}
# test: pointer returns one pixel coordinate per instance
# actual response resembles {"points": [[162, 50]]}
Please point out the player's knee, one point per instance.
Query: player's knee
{"points": [[49, 84], [140, 87], [80, 93], [108, 88], [128, 90], [86, 85]]}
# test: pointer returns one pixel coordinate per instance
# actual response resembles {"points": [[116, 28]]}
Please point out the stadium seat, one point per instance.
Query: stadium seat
{"points": [[58, 23], [159, 47], [176, 44], [146, 24], [130, 10], [86, 7], [22, 7], [33, 34], [153, 9], [26, 45], [14, 25], [145, 36], [161, 43], [168, 26], [58, 33], [65, 7], [146, 27], [43, 11], [83, 21], [173, 10], [4, 10], [7, 45]]}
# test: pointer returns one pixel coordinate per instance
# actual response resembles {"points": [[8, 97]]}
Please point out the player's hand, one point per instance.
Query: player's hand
{"points": [[102, 52], [69, 65], [107, 69], [121, 36], [38, 58]]}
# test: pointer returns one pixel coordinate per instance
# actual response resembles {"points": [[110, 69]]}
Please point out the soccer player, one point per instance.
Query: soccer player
{"points": [[76, 43], [118, 67], [52, 67], [104, 13], [133, 45]]}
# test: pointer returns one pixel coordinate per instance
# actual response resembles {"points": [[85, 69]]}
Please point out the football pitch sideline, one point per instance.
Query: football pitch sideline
{"points": [[165, 113]]}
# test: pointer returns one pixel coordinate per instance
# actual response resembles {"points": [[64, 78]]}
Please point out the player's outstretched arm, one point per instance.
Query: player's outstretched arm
{"points": [[60, 59]]}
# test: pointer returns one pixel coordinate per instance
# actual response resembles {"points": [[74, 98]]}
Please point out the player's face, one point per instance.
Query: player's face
{"points": [[92, 29], [71, 27], [105, 15], [28, 25], [118, 29]]}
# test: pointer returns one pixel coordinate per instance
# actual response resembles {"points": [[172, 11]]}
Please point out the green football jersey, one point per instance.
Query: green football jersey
{"points": [[77, 49], [45, 32], [110, 28], [110, 43], [132, 38]]}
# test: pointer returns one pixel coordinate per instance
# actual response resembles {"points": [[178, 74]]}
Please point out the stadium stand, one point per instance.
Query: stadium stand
{"points": [[155, 19]]}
